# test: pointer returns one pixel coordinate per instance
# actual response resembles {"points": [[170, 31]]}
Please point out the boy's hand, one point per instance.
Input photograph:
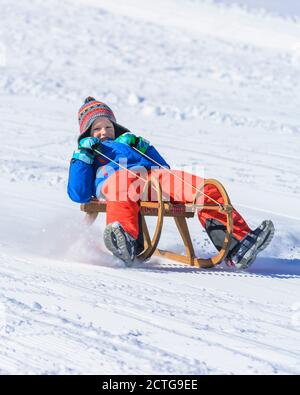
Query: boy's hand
{"points": [[130, 139], [89, 143], [85, 149], [142, 144], [127, 138]]}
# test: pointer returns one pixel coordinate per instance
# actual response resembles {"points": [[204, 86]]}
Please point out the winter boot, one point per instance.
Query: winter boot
{"points": [[244, 254], [120, 243]]}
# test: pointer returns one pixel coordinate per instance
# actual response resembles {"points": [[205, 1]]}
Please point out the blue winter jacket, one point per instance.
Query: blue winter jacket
{"points": [[85, 180]]}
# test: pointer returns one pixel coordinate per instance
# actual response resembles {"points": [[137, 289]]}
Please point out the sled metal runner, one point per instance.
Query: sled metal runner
{"points": [[180, 212]]}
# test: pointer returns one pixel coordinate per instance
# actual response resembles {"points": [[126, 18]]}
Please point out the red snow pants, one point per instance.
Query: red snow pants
{"points": [[123, 192]]}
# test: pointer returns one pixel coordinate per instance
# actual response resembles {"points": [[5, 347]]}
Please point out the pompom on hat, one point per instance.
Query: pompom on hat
{"points": [[89, 112]]}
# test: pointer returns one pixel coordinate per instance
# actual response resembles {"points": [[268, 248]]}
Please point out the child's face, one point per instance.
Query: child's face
{"points": [[104, 129]]}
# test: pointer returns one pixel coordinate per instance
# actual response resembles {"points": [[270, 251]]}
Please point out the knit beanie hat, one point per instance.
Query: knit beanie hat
{"points": [[89, 112]]}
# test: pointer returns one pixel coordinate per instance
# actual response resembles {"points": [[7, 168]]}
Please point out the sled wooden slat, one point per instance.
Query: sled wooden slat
{"points": [[149, 209], [180, 212]]}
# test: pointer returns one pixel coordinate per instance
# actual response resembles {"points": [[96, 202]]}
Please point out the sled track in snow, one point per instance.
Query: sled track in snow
{"points": [[54, 311]]}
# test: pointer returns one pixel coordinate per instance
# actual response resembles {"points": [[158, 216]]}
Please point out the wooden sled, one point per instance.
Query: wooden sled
{"points": [[180, 212]]}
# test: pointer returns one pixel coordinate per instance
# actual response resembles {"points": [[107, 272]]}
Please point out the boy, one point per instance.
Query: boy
{"points": [[110, 174]]}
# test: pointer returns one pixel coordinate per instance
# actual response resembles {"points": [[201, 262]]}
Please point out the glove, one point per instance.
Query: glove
{"points": [[85, 149], [142, 145], [130, 139]]}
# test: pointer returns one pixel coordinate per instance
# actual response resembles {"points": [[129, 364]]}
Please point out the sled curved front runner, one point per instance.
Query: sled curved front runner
{"points": [[180, 212]]}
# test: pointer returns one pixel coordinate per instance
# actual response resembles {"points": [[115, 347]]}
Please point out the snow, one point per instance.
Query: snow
{"points": [[286, 8], [215, 88]]}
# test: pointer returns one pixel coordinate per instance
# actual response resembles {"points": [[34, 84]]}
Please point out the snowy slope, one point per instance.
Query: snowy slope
{"points": [[286, 8], [216, 90]]}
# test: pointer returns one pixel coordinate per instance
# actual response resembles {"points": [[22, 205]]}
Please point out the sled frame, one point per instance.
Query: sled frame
{"points": [[180, 213]]}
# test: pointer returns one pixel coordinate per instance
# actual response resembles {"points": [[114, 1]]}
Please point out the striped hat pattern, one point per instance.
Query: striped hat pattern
{"points": [[90, 111]]}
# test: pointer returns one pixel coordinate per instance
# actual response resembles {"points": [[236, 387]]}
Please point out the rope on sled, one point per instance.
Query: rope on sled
{"points": [[121, 166]]}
